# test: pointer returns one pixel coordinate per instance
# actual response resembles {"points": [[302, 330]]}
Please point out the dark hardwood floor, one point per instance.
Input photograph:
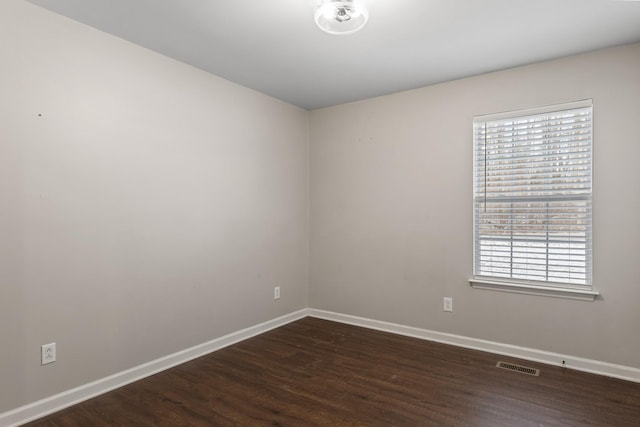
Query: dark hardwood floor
{"points": [[316, 372]]}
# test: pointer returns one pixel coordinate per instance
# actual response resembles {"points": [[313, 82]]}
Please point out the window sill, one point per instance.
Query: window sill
{"points": [[533, 289]]}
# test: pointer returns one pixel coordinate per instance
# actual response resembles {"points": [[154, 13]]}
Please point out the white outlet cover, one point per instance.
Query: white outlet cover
{"points": [[276, 292], [48, 353]]}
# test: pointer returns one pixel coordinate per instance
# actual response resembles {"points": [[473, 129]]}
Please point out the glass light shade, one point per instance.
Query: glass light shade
{"points": [[341, 16]]}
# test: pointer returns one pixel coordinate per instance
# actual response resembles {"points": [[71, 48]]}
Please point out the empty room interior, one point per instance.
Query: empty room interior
{"points": [[391, 212]]}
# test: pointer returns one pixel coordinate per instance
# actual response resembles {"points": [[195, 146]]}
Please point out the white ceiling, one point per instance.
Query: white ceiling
{"points": [[274, 46]]}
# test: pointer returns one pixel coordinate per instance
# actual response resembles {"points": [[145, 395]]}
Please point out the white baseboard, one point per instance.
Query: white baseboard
{"points": [[71, 397], [578, 363], [65, 399]]}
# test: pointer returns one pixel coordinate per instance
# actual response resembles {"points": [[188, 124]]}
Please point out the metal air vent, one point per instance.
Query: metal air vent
{"points": [[518, 368]]}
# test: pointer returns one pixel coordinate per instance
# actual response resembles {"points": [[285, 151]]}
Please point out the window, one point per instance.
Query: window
{"points": [[532, 200]]}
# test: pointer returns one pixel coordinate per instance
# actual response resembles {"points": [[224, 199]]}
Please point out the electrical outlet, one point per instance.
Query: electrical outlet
{"points": [[276, 292], [448, 304], [48, 353]]}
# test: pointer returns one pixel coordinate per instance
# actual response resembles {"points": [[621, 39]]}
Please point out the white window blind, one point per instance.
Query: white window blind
{"points": [[532, 196]]}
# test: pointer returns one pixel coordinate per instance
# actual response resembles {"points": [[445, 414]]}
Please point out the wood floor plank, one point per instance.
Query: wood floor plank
{"points": [[314, 372]]}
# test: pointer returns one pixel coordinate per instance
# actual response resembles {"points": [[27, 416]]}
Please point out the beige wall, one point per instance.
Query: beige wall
{"points": [[151, 207], [391, 208]]}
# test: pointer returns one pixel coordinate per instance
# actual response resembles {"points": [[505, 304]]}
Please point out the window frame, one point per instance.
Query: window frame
{"points": [[535, 287]]}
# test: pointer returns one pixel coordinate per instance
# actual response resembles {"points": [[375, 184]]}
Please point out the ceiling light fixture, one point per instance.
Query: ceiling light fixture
{"points": [[341, 16]]}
